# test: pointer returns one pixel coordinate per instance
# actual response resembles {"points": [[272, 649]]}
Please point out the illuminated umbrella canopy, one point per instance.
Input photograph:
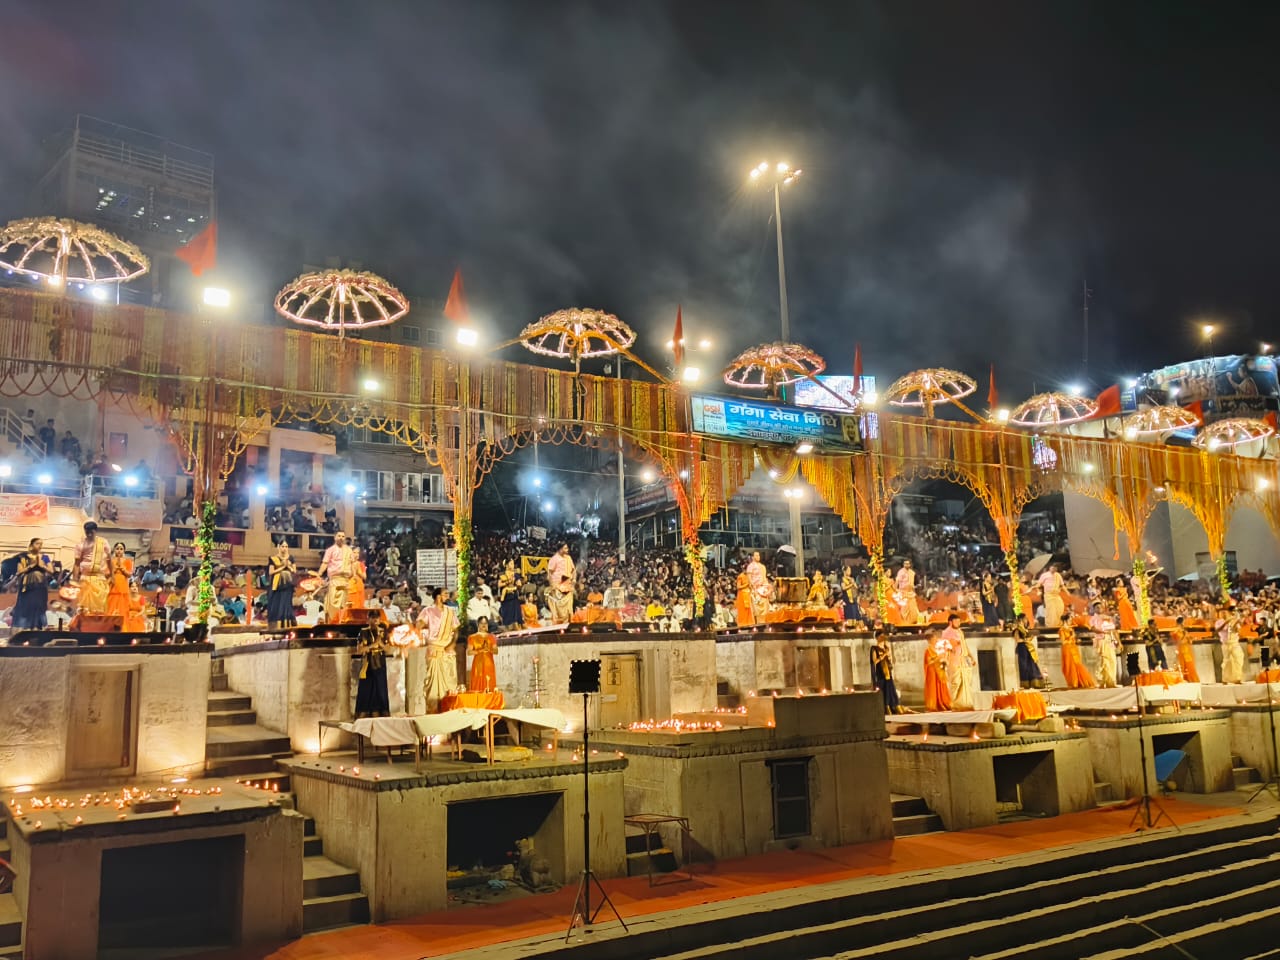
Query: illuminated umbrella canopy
{"points": [[576, 334], [772, 366], [1225, 434], [341, 300], [1051, 410], [60, 251], [930, 388], [1156, 420]]}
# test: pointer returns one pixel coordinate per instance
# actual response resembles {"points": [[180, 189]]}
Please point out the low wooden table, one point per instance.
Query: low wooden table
{"points": [[649, 823]]}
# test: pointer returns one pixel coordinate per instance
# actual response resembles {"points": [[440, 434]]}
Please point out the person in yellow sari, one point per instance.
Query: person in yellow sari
{"points": [[439, 627], [1186, 653], [92, 566], [1073, 668], [819, 592], [118, 591]]}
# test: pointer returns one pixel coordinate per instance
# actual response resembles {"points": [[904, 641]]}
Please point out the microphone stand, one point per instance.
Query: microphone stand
{"points": [[1142, 815]]}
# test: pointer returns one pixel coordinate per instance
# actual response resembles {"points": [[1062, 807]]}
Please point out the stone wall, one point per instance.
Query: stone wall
{"points": [[1116, 754], [395, 834], [36, 686]]}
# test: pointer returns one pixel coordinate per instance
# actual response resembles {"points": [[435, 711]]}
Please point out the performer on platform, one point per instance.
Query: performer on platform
{"points": [[92, 567], [118, 592], [761, 588], [482, 645], [30, 610], [990, 611], [1186, 653], [355, 586], [438, 625], [529, 613], [1029, 672], [745, 617], [882, 670], [372, 697], [508, 598], [1155, 649], [1053, 590], [1232, 651], [135, 621], [937, 695], [561, 577], [960, 665], [337, 565], [1073, 668], [280, 571], [905, 584], [1108, 644], [391, 561], [819, 593]]}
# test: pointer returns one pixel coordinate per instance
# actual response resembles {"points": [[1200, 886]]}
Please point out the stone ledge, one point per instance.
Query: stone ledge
{"points": [[94, 650], [1123, 721], [914, 742], [728, 747], [481, 774]]}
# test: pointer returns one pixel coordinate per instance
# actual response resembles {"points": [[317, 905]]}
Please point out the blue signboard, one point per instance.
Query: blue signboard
{"points": [[737, 419]]}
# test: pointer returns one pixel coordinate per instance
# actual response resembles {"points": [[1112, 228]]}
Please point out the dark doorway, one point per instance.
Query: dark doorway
{"points": [[170, 896], [483, 835]]}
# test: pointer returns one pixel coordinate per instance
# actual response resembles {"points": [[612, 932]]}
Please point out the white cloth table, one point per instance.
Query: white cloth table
{"points": [[943, 716], [1231, 694], [400, 731], [1120, 698]]}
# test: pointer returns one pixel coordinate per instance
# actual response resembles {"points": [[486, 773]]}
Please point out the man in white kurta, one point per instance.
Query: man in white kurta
{"points": [[561, 575], [1052, 588], [905, 585]]}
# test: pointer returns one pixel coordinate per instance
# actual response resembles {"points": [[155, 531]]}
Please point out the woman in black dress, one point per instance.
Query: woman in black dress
{"points": [[372, 699], [280, 573], [29, 612]]}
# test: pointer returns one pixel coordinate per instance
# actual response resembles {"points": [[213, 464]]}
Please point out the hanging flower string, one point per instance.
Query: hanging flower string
{"points": [[1015, 579], [462, 544], [204, 546], [882, 583], [1224, 581], [1142, 601], [693, 557]]}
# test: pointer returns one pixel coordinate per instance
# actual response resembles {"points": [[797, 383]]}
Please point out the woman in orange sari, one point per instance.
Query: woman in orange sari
{"points": [[742, 603], [937, 695], [1073, 667], [118, 592], [136, 621], [482, 645], [1186, 653], [355, 586]]}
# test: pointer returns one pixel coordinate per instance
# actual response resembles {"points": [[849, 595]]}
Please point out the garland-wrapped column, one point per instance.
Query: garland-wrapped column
{"points": [[1015, 579], [462, 538], [204, 546], [698, 567]]}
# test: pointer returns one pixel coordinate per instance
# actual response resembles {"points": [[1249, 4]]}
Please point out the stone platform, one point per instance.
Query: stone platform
{"points": [[1205, 735], [220, 870], [970, 783], [403, 830]]}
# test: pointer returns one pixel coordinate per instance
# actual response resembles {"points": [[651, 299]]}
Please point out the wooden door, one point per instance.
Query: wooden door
{"points": [[102, 732], [619, 689]]}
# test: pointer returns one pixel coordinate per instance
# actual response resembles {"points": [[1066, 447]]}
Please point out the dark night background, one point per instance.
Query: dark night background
{"points": [[967, 166]]}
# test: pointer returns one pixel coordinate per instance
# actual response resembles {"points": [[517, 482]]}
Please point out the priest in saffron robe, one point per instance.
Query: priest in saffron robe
{"points": [[761, 588], [937, 696], [1186, 653], [905, 585], [1073, 668]]}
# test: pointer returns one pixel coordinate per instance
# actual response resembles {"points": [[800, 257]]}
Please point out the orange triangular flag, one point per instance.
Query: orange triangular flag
{"points": [[857, 368], [455, 307], [200, 253], [677, 339], [993, 397]]}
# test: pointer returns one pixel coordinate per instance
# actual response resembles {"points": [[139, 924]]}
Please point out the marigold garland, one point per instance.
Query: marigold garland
{"points": [[1224, 580], [462, 544], [204, 547], [1015, 579], [697, 566], [882, 582], [1141, 599]]}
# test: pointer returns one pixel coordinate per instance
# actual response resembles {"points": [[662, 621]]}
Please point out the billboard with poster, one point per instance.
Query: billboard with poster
{"points": [[1215, 387]]}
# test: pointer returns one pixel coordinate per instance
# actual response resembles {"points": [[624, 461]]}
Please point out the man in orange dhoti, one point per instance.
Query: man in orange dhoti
{"points": [[937, 696], [742, 603], [1186, 653], [1073, 668]]}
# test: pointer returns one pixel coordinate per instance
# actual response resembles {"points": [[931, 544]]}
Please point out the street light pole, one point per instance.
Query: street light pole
{"points": [[782, 263], [622, 482]]}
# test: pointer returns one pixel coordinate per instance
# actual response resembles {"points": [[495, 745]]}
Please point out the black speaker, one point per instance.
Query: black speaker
{"points": [[1131, 664], [584, 676], [1266, 657]]}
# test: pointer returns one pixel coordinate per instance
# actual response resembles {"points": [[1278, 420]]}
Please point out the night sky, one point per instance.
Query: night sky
{"points": [[967, 165]]}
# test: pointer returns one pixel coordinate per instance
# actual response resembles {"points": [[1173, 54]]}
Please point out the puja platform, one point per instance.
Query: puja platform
{"points": [[973, 781], [1203, 735], [154, 870], [779, 773], [1253, 708], [95, 708], [423, 839]]}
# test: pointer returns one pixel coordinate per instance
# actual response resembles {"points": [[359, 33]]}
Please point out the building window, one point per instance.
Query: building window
{"points": [[790, 781], [410, 334], [433, 338]]}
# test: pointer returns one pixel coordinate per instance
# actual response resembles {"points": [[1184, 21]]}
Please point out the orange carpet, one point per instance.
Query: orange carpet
{"points": [[465, 928]]}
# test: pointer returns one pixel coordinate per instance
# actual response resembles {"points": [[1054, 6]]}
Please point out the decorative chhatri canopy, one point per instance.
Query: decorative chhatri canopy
{"points": [[341, 300], [773, 365], [61, 251], [1157, 420], [1225, 434], [577, 333], [1052, 409], [929, 388]]}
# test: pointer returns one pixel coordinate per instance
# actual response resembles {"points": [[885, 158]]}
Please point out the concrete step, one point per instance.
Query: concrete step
{"points": [[244, 767], [321, 877], [276, 780], [220, 701], [916, 824], [312, 846], [1243, 776], [244, 739], [920, 916], [218, 682], [309, 827], [228, 718], [1101, 792], [10, 923], [343, 910], [907, 806]]}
